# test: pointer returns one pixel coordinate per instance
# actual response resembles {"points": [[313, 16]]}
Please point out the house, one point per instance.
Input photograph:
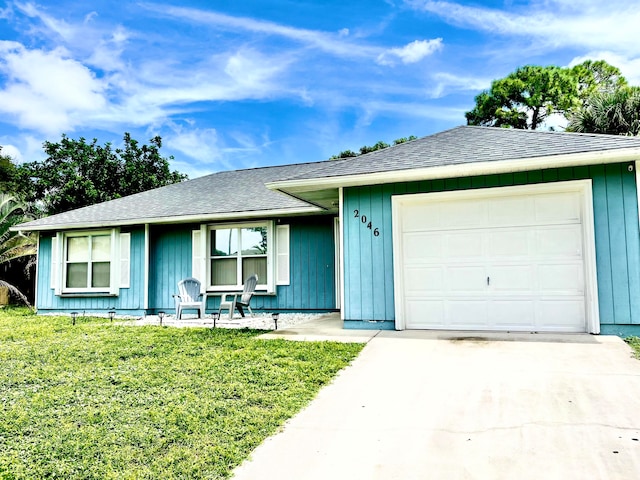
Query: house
{"points": [[473, 228]]}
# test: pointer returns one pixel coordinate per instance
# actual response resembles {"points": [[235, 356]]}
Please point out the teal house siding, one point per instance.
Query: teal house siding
{"points": [[311, 266], [129, 300], [368, 259], [170, 261], [311, 263]]}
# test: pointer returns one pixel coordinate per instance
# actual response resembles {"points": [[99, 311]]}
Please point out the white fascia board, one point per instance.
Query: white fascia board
{"points": [[459, 170], [172, 220]]}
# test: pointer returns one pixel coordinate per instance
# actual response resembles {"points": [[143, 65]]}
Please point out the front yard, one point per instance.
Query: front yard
{"points": [[634, 342], [100, 401]]}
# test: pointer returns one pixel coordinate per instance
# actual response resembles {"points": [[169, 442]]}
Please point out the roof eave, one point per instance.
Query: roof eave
{"points": [[300, 186], [171, 220]]}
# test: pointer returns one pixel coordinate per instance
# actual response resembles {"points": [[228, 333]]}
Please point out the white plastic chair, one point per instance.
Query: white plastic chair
{"points": [[189, 297], [239, 300]]}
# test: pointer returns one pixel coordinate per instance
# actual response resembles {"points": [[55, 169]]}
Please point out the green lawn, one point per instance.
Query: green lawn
{"points": [[100, 401], [634, 342]]}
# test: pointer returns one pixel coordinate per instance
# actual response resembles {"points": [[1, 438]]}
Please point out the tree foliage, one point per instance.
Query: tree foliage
{"points": [[7, 172], [77, 173], [614, 112], [597, 77], [368, 149], [527, 97], [14, 245]]}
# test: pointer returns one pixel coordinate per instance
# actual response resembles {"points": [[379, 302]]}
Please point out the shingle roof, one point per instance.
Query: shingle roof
{"points": [[469, 144], [220, 194], [244, 192]]}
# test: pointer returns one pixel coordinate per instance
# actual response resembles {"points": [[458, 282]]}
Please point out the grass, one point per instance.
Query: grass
{"points": [[98, 401], [634, 342]]}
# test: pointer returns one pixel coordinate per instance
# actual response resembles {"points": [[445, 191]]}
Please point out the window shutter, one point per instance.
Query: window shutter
{"points": [[198, 262], [125, 260], [56, 243], [282, 255]]}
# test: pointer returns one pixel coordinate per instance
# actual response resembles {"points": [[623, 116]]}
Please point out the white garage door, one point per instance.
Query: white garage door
{"points": [[494, 259]]}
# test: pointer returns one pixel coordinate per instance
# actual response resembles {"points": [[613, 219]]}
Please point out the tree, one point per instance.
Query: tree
{"points": [[615, 112], [527, 97], [14, 245], [366, 149], [398, 141], [378, 146], [76, 173], [595, 77], [7, 172]]}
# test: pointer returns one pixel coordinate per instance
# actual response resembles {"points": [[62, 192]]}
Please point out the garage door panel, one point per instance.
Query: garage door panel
{"points": [[463, 214], [559, 241], [561, 279], [420, 217], [561, 315], [422, 247], [462, 279], [425, 313], [468, 313], [500, 262], [509, 243], [511, 278], [561, 207], [424, 280], [463, 246], [517, 314], [511, 211]]}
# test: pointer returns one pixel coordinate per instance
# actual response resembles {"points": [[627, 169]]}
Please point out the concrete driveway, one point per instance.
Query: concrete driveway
{"points": [[425, 405]]}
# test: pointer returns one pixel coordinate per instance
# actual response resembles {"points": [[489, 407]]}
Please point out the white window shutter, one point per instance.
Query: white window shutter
{"points": [[125, 260], [56, 243], [282, 255], [198, 260]]}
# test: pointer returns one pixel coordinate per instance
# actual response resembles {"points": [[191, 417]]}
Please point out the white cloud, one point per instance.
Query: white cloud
{"points": [[447, 83], [201, 145], [209, 151], [60, 27], [47, 90], [588, 23], [412, 52], [22, 148], [327, 41], [107, 53], [13, 152]]}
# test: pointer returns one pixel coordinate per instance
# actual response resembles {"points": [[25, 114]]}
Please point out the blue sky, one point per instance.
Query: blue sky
{"points": [[238, 84]]}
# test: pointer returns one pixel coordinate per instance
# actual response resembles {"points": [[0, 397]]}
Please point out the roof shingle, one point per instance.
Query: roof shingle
{"points": [[243, 192]]}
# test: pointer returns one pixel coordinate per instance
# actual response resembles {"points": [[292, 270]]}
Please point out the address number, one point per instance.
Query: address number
{"points": [[367, 223]]}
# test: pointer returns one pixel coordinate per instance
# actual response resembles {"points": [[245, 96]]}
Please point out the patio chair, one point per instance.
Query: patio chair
{"points": [[189, 297], [239, 300]]}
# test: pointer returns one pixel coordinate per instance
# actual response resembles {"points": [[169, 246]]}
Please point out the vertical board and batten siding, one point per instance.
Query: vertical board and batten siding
{"points": [[170, 254], [311, 266], [312, 270], [129, 300], [368, 261]]}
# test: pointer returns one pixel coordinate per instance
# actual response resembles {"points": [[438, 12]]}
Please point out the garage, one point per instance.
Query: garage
{"points": [[516, 258]]}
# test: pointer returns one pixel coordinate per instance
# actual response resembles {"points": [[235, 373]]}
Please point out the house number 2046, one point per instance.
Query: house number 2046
{"points": [[366, 222]]}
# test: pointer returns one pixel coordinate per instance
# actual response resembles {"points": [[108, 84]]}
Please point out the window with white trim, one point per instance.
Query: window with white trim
{"points": [[238, 251], [87, 262], [90, 262]]}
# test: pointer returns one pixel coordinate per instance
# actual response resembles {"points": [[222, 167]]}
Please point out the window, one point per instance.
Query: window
{"points": [[90, 262], [87, 262], [237, 252]]}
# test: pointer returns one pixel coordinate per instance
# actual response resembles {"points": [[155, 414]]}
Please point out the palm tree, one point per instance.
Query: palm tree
{"points": [[615, 113], [14, 245]]}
